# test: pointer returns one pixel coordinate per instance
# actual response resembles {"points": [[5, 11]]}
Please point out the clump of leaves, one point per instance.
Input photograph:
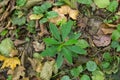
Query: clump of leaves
{"points": [[43, 12], [61, 44]]}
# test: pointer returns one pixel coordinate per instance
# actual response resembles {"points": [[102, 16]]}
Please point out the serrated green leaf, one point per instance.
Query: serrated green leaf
{"points": [[66, 28], [59, 60], [91, 66], [71, 42], [54, 31], [85, 1], [113, 6], [18, 21], [50, 41], [77, 49], [102, 3], [6, 47], [67, 55], [50, 51], [115, 35], [82, 43], [85, 77], [51, 14]]}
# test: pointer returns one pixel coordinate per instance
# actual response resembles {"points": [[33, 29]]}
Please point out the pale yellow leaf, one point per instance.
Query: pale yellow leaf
{"points": [[2, 58], [35, 16], [73, 14]]}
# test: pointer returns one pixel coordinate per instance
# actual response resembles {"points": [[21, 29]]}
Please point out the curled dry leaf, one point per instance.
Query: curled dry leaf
{"points": [[102, 41], [47, 70], [107, 30], [38, 46], [73, 14], [18, 73]]}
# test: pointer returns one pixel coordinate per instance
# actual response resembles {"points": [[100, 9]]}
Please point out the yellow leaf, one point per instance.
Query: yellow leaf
{"points": [[11, 62], [2, 58], [73, 14], [35, 16]]}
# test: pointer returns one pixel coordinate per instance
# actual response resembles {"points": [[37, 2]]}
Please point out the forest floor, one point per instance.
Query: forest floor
{"points": [[59, 40]]}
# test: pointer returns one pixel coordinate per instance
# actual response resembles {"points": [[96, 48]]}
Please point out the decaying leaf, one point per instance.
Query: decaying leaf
{"points": [[102, 41], [107, 30], [11, 63], [47, 70], [17, 73], [62, 11], [38, 46], [36, 64]]}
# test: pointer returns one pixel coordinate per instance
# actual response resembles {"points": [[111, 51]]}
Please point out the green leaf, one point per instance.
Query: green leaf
{"points": [[50, 51], [74, 35], [31, 26], [98, 75], [91, 66], [74, 72], [85, 77], [67, 55], [118, 49], [85, 1], [118, 27], [65, 78], [82, 43], [6, 47], [50, 41], [51, 14], [114, 44], [43, 20], [18, 21], [107, 56], [4, 32], [41, 9], [105, 65], [102, 3], [70, 42], [59, 60], [77, 49], [65, 29], [115, 35], [113, 6], [21, 2], [54, 31]]}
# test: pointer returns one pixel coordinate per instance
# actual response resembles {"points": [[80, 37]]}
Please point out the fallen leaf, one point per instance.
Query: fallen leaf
{"points": [[73, 14], [102, 41], [18, 73], [47, 70], [19, 42], [35, 16], [38, 46], [107, 30], [2, 58], [11, 63], [64, 9]]}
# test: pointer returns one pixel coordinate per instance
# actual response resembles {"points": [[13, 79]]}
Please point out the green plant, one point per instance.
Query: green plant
{"points": [[61, 44], [43, 11], [115, 45], [85, 1], [85, 77], [91, 66]]}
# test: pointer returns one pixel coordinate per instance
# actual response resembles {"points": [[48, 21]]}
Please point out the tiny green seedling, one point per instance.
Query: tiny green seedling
{"points": [[61, 44]]}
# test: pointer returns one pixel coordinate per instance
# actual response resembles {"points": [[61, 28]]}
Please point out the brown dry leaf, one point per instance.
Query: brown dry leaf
{"points": [[11, 63], [102, 41], [36, 64], [19, 72], [73, 14], [47, 70], [111, 25], [38, 46], [107, 30], [18, 42], [35, 16]]}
